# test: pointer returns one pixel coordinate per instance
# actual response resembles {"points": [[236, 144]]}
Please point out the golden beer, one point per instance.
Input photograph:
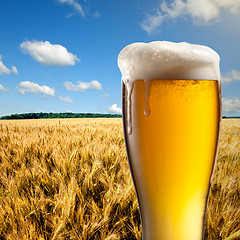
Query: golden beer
{"points": [[171, 116], [171, 153]]}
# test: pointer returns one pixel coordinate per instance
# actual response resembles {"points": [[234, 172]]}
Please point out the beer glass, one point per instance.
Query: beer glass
{"points": [[171, 116]]}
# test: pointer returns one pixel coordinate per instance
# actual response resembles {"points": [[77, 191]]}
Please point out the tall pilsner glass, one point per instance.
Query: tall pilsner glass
{"points": [[171, 115]]}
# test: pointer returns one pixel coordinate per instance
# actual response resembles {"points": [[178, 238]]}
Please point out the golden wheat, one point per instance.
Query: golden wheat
{"points": [[223, 215], [69, 179]]}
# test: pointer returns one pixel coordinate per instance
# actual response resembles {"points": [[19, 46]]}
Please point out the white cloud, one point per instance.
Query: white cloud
{"points": [[83, 86], [49, 54], [105, 95], [152, 22], [2, 88], [97, 14], [115, 109], [233, 75], [5, 70], [66, 99], [231, 104], [76, 6], [202, 12], [14, 70], [67, 111], [32, 87], [80, 9]]}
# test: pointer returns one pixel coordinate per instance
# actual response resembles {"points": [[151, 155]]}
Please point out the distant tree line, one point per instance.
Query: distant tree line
{"points": [[66, 115], [224, 117], [60, 115]]}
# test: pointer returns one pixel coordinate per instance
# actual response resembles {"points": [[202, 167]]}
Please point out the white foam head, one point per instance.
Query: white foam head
{"points": [[168, 60]]}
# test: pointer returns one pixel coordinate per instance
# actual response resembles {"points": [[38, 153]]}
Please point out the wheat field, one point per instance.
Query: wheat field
{"points": [[69, 179]]}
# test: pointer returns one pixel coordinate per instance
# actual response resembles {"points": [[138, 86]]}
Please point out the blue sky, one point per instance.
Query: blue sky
{"points": [[61, 55]]}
